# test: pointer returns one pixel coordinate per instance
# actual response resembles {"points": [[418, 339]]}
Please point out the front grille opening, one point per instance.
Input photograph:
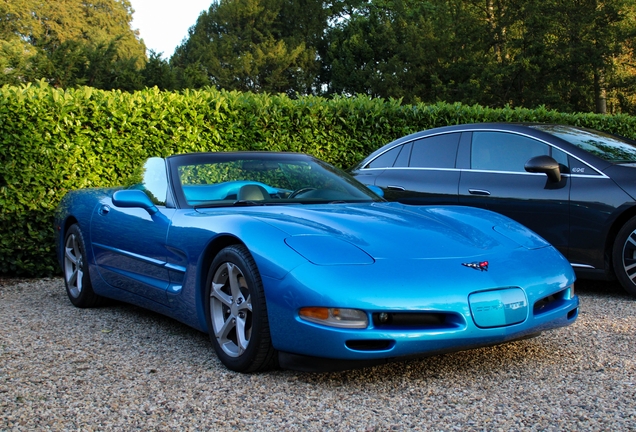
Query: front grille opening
{"points": [[416, 320], [550, 302], [370, 345], [544, 304]]}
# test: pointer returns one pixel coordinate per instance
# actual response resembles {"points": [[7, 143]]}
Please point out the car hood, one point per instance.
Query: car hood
{"points": [[393, 230]]}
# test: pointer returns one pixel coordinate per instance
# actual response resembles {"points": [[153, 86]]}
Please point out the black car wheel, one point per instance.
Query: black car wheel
{"points": [[76, 277], [237, 312], [624, 256]]}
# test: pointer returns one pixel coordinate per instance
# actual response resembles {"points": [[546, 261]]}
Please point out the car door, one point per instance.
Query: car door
{"points": [[129, 244], [423, 172], [495, 179]]}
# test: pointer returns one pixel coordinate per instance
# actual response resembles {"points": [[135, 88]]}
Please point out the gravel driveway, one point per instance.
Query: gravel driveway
{"points": [[123, 368]]}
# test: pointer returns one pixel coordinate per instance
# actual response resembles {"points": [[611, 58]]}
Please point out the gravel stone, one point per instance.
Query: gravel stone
{"points": [[123, 368]]}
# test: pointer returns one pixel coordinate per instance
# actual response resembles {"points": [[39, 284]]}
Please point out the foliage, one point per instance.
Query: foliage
{"points": [[566, 55], [569, 56], [70, 43], [158, 73], [256, 45]]}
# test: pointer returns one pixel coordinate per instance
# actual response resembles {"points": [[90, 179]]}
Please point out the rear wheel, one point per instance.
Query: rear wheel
{"points": [[237, 312], [76, 277], [624, 256]]}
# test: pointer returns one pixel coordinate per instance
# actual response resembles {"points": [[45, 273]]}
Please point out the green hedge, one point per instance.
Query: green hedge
{"points": [[56, 140]]}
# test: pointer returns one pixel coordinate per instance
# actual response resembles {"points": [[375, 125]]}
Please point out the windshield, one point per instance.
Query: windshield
{"points": [[611, 148], [230, 179]]}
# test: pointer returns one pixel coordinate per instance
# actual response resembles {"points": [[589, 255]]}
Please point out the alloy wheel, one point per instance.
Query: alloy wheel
{"points": [[231, 309], [73, 265]]}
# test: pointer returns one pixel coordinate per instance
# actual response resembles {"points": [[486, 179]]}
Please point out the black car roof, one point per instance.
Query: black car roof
{"points": [[522, 127]]}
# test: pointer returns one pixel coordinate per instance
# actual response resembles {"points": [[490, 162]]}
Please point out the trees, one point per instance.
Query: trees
{"points": [[232, 46], [70, 42], [573, 55], [256, 45], [158, 73], [565, 55], [562, 54], [410, 49]]}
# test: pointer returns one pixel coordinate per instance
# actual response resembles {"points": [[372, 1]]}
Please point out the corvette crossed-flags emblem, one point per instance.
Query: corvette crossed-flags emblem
{"points": [[480, 265]]}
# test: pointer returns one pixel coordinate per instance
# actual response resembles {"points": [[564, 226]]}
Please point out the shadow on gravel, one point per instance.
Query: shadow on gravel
{"points": [[154, 319], [498, 360]]}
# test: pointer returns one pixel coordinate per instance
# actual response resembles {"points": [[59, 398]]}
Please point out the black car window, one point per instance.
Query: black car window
{"points": [[500, 151], [438, 151], [386, 159], [562, 158], [402, 160], [611, 148]]}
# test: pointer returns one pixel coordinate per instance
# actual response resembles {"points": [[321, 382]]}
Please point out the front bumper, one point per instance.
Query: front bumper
{"points": [[408, 294], [323, 342], [306, 363]]}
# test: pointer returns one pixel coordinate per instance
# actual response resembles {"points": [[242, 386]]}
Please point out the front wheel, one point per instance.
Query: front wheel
{"points": [[237, 313], [76, 277], [624, 256]]}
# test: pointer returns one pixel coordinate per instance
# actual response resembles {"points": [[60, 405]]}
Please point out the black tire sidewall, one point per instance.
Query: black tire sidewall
{"points": [[617, 256], [86, 297], [253, 358]]}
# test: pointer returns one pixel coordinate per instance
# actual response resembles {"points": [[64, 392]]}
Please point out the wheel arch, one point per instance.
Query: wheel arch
{"points": [[211, 251], [610, 239], [70, 220], [62, 229]]}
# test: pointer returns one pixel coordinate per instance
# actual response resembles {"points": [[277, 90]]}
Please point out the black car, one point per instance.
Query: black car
{"points": [[573, 186]]}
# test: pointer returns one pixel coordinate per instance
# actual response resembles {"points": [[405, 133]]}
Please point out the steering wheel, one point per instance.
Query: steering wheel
{"points": [[300, 191]]}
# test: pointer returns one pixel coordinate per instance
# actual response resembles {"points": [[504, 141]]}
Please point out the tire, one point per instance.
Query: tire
{"points": [[236, 312], [624, 256], [75, 266]]}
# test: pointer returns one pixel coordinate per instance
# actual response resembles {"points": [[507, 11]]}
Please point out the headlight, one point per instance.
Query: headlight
{"points": [[335, 317]]}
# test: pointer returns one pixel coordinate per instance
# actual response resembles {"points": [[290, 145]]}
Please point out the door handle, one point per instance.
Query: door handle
{"points": [[478, 192], [103, 210], [397, 188]]}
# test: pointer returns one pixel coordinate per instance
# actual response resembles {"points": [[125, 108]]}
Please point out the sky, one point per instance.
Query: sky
{"points": [[163, 24]]}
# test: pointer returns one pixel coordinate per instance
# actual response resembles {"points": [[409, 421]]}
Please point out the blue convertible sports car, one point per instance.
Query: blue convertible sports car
{"points": [[285, 260]]}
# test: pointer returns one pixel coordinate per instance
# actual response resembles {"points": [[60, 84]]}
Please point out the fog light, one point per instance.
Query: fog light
{"points": [[335, 317], [570, 292]]}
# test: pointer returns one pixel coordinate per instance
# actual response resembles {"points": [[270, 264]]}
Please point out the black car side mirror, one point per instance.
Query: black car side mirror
{"points": [[544, 164]]}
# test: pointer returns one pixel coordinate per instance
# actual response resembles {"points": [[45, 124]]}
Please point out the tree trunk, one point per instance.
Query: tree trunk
{"points": [[600, 92]]}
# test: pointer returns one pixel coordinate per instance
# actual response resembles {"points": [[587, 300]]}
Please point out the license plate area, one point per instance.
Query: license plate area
{"points": [[498, 308]]}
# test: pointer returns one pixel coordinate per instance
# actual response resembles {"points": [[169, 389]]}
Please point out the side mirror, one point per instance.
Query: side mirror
{"points": [[376, 190], [544, 164], [128, 198]]}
